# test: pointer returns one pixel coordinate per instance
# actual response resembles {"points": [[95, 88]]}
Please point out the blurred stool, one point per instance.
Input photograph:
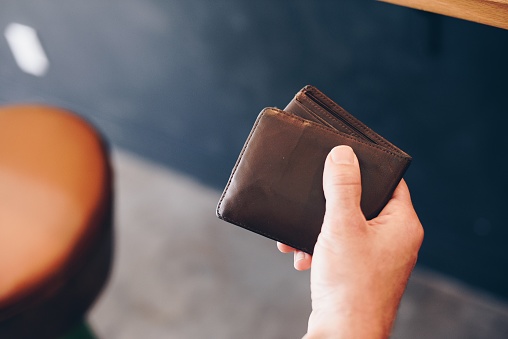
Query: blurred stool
{"points": [[55, 222]]}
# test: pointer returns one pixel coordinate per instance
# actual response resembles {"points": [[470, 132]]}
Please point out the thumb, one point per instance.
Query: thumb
{"points": [[342, 188]]}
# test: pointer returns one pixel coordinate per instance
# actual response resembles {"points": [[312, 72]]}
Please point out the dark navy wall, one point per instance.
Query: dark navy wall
{"points": [[181, 82]]}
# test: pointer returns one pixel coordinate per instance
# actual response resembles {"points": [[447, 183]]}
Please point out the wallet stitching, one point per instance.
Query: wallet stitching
{"points": [[335, 105], [327, 114], [353, 121], [330, 116], [379, 147], [300, 104]]}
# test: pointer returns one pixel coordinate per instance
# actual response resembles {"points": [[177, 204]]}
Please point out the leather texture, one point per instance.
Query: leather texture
{"points": [[275, 188]]}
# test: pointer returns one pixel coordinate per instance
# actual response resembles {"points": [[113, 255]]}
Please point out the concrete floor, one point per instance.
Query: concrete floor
{"points": [[179, 272]]}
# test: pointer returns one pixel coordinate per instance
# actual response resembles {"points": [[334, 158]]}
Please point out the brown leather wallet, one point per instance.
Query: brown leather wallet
{"points": [[275, 188]]}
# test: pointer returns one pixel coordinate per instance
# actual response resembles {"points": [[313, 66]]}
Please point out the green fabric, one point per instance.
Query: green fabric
{"points": [[82, 331]]}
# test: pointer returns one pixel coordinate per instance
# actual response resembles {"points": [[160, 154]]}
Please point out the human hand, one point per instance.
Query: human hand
{"points": [[360, 267]]}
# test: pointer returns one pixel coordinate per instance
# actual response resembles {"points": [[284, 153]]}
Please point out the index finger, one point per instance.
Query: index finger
{"points": [[401, 193]]}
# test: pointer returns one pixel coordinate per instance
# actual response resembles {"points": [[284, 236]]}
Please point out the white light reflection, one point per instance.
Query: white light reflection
{"points": [[27, 49]]}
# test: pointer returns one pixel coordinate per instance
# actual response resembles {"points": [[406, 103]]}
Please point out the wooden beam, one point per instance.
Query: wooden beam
{"points": [[489, 12]]}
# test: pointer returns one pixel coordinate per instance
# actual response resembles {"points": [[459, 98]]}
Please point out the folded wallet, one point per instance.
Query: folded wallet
{"points": [[276, 186]]}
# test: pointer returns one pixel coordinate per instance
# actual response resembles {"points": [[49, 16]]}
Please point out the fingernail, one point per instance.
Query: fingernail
{"points": [[299, 256], [342, 155]]}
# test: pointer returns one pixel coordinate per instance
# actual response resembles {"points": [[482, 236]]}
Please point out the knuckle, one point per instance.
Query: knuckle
{"points": [[345, 177]]}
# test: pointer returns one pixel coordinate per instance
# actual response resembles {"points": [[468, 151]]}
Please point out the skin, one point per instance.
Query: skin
{"points": [[360, 267]]}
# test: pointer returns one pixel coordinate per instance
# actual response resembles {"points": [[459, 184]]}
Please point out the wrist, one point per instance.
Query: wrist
{"points": [[346, 326], [358, 316]]}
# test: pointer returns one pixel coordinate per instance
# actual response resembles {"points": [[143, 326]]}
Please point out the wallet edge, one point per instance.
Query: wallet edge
{"points": [[351, 119], [233, 171]]}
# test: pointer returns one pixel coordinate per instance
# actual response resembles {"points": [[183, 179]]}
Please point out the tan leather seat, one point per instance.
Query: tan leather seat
{"points": [[55, 220]]}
